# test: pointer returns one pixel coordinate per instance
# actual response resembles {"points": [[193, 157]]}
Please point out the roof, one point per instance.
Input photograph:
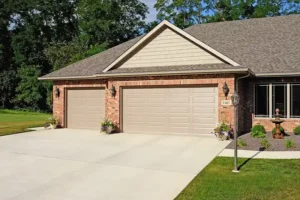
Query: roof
{"points": [[264, 45]]}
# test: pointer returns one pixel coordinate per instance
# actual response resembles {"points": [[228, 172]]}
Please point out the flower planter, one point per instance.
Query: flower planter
{"points": [[53, 126], [108, 129]]}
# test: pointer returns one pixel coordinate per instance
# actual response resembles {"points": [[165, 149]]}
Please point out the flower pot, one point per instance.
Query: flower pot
{"points": [[108, 130], [53, 126]]}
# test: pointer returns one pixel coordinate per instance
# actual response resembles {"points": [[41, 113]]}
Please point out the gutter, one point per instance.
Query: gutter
{"points": [[236, 91], [277, 74], [103, 76]]}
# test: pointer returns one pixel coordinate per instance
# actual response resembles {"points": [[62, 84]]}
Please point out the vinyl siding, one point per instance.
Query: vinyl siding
{"points": [[168, 49]]}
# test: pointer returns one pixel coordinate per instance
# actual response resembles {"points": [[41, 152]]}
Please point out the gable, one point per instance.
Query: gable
{"points": [[168, 48]]}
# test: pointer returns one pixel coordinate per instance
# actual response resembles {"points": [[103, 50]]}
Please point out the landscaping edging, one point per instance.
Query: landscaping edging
{"points": [[261, 154]]}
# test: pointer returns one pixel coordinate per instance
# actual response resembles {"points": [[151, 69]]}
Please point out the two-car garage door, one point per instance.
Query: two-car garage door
{"points": [[170, 110]]}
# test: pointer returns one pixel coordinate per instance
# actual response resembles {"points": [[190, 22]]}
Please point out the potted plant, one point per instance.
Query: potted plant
{"points": [[224, 131], [107, 126], [52, 121]]}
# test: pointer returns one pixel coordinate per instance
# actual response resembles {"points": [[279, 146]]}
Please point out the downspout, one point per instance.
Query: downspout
{"points": [[236, 90]]}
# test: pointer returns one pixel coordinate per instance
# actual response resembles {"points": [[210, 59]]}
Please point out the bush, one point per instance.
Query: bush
{"points": [[241, 143], [265, 143], [290, 144], [281, 130], [258, 131], [297, 130]]}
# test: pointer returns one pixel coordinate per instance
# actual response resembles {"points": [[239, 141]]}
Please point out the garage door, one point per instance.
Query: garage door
{"points": [[170, 110], [85, 108]]}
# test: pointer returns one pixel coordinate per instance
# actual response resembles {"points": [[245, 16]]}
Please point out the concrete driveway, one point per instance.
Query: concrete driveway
{"points": [[70, 164]]}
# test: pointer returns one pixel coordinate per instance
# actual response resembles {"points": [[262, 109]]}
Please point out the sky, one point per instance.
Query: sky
{"points": [[152, 11]]}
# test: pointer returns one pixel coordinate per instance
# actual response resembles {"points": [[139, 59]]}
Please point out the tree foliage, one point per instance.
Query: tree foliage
{"points": [[38, 36], [113, 21], [184, 13]]}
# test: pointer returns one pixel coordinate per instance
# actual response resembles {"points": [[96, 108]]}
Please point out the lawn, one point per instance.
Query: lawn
{"points": [[258, 179], [12, 122]]}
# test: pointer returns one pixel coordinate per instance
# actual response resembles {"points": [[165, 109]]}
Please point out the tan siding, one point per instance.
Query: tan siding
{"points": [[170, 110], [167, 49]]}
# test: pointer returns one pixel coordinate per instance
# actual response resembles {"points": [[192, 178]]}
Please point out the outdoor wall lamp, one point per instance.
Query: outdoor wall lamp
{"points": [[113, 91], [225, 89], [57, 92]]}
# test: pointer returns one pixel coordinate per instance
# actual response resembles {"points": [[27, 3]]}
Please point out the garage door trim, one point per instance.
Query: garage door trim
{"points": [[121, 108], [66, 99]]}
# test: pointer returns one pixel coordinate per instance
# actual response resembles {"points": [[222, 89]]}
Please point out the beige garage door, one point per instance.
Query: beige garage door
{"points": [[85, 108], [170, 110]]}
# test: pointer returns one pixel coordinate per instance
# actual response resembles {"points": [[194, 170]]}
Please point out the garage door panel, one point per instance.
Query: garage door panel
{"points": [[202, 99], [179, 109], [171, 110], [180, 100], [85, 108]]}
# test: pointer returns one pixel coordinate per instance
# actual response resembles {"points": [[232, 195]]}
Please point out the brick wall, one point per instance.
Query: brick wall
{"points": [[249, 117], [112, 104]]}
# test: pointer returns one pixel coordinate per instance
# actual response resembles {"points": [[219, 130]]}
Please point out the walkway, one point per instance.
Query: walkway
{"points": [[262, 154]]}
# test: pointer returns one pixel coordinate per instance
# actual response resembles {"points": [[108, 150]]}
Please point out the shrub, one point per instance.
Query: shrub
{"points": [[281, 130], [258, 131], [297, 130], [290, 144], [241, 143], [265, 143]]}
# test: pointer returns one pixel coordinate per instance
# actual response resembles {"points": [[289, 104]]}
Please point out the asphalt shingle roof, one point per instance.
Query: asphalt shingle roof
{"points": [[172, 68], [265, 45]]}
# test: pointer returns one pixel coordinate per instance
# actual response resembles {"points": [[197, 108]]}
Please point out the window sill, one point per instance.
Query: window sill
{"points": [[268, 118]]}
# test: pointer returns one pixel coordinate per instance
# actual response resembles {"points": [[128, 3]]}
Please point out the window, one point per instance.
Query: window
{"points": [[295, 101], [279, 94], [262, 100], [284, 96]]}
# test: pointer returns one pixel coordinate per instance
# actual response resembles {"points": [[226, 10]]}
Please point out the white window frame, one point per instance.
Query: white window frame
{"points": [[288, 99]]}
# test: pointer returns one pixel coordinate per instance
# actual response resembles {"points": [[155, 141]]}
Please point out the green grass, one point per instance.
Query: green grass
{"points": [[12, 121], [258, 179]]}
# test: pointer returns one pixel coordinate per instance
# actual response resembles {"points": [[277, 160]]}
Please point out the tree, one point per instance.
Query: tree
{"points": [[184, 13], [8, 83], [63, 54], [113, 21], [31, 93]]}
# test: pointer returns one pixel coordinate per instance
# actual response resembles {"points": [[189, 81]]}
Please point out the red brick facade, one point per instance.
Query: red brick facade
{"points": [[112, 104]]}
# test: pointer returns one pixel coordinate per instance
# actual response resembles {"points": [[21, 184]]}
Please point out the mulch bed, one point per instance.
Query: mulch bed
{"points": [[276, 144]]}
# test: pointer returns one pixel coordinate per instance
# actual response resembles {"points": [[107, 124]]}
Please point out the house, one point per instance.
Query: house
{"points": [[171, 80]]}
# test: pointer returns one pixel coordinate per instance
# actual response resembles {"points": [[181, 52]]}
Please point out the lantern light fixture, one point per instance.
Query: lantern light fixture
{"points": [[113, 91], [225, 89], [235, 98], [57, 92]]}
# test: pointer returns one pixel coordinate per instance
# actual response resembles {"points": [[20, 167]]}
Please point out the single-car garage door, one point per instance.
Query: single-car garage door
{"points": [[170, 110], [85, 108]]}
